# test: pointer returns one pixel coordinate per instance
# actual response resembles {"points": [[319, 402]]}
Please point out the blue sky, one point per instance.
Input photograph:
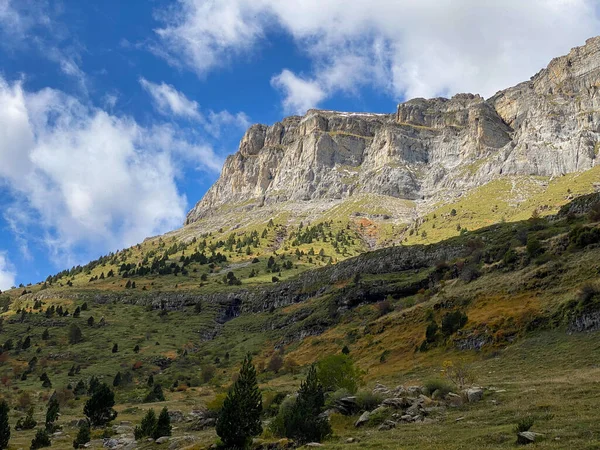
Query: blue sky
{"points": [[115, 116]]}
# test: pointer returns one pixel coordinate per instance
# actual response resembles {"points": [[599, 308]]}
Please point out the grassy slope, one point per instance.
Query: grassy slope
{"points": [[503, 303]]}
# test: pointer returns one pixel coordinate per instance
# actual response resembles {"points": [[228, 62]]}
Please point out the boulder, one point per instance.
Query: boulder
{"points": [[176, 416], [162, 440], [314, 444], [414, 391], [397, 402], [387, 425], [347, 406], [364, 418], [380, 389], [453, 399], [474, 394], [528, 437]]}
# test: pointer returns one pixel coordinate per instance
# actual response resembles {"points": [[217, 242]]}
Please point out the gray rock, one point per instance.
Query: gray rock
{"points": [[397, 403], [474, 394], [314, 444], [387, 425], [363, 419], [162, 440], [176, 416], [528, 437]]}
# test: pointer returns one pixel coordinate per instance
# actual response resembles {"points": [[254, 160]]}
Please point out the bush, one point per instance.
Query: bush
{"points": [[453, 321], [27, 422], [83, 435], [442, 387], [147, 426], [367, 401], [524, 424], [380, 416], [41, 439], [338, 371]]}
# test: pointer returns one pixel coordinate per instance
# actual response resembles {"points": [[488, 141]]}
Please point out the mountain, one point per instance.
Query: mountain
{"points": [[451, 245], [429, 151]]}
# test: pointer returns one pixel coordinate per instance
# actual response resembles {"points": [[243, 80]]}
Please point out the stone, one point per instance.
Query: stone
{"points": [[406, 418], [162, 440], [397, 403], [474, 394], [364, 418], [528, 437], [414, 391], [176, 416], [351, 440], [387, 425], [314, 444], [453, 399]]}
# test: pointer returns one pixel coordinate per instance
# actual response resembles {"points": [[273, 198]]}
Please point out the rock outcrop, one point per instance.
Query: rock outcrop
{"points": [[428, 151]]}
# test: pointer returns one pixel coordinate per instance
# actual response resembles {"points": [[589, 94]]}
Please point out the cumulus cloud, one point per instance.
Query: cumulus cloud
{"points": [[171, 102], [405, 48], [88, 177], [7, 272]]}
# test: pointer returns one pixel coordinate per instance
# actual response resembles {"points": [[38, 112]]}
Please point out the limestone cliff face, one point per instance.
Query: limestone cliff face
{"points": [[427, 151]]}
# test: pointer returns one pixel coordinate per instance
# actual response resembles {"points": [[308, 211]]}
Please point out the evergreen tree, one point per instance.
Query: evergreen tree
{"points": [[155, 395], [90, 321], [94, 385], [52, 414], [148, 424], [26, 343], [239, 419], [117, 380], [136, 349], [99, 408], [45, 380], [115, 348], [75, 335], [304, 423], [4, 426], [41, 439], [83, 435], [79, 388], [163, 425], [45, 335]]}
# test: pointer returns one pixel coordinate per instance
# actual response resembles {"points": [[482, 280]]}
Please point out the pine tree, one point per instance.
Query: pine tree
{"points": [[117, 380], [75, 335], [4, 426], [115, 348], [239, 419], [94, 385], [45, 335], [41, 439], [52, 414], [83, 435], [99, 408], [148, 424], [304, 423], [45, 380], [90, 321], [163, 425]]}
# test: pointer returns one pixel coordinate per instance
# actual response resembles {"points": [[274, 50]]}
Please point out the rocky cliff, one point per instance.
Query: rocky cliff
{"points": [[429, 150]]}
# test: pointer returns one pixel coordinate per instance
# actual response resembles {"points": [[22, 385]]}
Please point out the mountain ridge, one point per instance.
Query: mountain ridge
{"points": [[426, 152]]}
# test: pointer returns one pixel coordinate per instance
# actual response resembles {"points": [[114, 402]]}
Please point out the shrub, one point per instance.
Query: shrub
{"points": [[75, 335], [338, 371], [275, 363], [524, 424], [27, 422], [41, 439], [216, 404], [333, 397], [83, 435], [453, 321], [239, 420], [458, 373], [380, 416], [442, 387], [367, 401]]}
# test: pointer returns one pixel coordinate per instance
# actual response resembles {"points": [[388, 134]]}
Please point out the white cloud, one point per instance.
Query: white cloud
{"points": [[171, 102], [406, 48], [300, 94], [7, 273], [92, 179]]}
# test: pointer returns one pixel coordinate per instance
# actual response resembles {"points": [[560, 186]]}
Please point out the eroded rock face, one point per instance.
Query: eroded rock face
{"points": [[428, 150]]}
